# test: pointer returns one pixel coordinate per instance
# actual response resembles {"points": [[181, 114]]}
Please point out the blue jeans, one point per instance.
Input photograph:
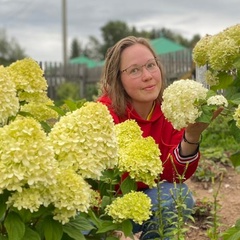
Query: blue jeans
{"points": [[169, 192]]}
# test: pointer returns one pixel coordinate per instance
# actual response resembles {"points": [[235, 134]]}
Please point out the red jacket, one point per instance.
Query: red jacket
{"points": [[165, 136]]}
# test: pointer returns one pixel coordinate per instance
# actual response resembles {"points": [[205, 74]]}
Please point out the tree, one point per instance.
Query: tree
{"points": [[75, 49], [93, 49], [10, 50], [112, 32]]}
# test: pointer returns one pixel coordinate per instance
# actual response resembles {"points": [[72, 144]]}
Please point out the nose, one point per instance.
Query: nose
{"points": [[146, 74]]}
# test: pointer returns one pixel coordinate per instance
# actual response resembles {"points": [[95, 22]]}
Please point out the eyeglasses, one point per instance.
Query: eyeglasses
{"points": [[135, 71]]}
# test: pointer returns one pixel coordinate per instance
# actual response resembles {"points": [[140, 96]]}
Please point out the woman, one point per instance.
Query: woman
{"points": [[132, 85]]}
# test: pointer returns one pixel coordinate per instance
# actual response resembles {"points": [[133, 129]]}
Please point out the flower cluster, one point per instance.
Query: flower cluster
{"points": [[220, 53], [217, 100], [85, 140], [219, 50], [8, 100], [138, 156], [180, 102], [70, 195], [27, 76], [23, 87], [26, 157], [134, 205]]}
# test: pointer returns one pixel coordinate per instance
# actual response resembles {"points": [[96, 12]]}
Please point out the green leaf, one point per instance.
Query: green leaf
{"points": [[31, 235], [3, 206], [96, 221], [106, 200], [80, 223], [107, 226], [235, 159], [206, 115], [71, 105], [59, 110], [128, 185], [45, 127], [15, 226], [237, 63], [235, 98], [3, 237], [52, 229], [225, 80], [127, 228], [234, 130], [73, 232], [232, 233]]}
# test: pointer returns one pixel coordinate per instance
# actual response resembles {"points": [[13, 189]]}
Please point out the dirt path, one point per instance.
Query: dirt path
{"points": [[229, 202]]}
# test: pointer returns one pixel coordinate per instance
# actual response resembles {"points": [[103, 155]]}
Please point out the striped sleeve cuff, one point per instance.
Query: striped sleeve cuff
{"points": [[185, 159]]}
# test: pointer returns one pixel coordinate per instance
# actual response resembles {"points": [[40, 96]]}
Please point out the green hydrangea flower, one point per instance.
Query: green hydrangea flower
{"points": [[134, 205], [27, 76], [71, 194], [141, 159], [222, 52], [233, 33], [127, 132], [85, 140], [40, 111], [138, 156], [8, 97], [212, 78], [200, 51], [29, 198], [26, 158]]}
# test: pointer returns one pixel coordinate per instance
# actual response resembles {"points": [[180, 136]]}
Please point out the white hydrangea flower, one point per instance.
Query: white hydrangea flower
{"points": [[217, 100], [179, 104]]}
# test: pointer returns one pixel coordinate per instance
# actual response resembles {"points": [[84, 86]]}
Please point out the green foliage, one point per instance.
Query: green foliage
{"points": [[233, 233], [208, 171], [69, 91], [91, 92]]}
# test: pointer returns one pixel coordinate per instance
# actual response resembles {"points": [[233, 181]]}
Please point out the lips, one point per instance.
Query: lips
{"points": [[150, 87]]}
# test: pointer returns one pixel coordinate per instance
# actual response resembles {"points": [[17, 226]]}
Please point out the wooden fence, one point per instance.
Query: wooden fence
{"points": [[177, 65]]}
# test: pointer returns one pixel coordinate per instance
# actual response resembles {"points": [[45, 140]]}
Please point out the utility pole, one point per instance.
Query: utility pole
{"points": [[64, 32]]}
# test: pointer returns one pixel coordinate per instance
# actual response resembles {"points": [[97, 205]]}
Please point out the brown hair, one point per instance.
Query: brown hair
{"points": [[111, 83]]}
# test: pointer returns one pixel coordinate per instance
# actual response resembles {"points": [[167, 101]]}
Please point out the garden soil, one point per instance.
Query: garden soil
{"points": [[228, 201]]}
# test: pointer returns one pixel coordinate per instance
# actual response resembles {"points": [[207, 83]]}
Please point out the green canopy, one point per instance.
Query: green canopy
{"points": [[163, 45], [85, 60]]}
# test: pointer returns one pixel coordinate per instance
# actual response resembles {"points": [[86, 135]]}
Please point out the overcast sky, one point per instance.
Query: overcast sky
{"points": [[37, 24]]}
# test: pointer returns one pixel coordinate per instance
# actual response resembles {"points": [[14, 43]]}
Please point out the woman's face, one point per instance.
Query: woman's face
{"points": [[140, 77]]}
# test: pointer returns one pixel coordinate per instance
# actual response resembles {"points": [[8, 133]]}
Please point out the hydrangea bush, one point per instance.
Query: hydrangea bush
{"points": [[188, 101], [61, 167]]}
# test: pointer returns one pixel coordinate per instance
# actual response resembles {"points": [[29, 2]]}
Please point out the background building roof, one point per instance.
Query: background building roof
{"points": [[163, 45]]}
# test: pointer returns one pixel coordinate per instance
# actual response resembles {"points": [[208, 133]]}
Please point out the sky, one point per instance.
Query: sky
{"points": [[36, 25]]}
